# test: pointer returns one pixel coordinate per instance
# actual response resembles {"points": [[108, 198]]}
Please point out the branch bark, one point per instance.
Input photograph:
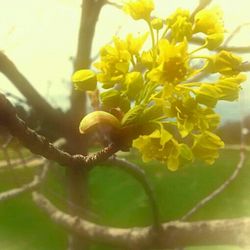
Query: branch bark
{"points": [[235, 49], [8, 68], [89, 16], [173, 234], [77, 178], [114, 4], [140, 176], [218, 190], [26, 187], [38, 144]]}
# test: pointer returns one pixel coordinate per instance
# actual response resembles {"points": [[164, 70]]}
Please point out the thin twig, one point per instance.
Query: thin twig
{"points": [[198, 77], [234, 33], [114, 4], [6, 157], [140, 176], [219, 190], [18, 164], [9, 69], [235, 49], [21, 156], [245, 67], [26, 187]]}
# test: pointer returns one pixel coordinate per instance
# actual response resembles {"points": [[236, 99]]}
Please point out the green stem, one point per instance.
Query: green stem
{"points": [[133, 61], [199, 48], [165, 33], [157, 37], [153, 42], [149, 93]]}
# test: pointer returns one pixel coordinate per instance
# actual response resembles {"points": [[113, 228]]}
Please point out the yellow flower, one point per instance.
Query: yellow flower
{"points": [[229, 87], [161, 146], [180, 25], [153, 99], [209, 22], [206, 146], [208, 94], [134, 44], [225, 63], [189, 114], [133, 83], [213, 41], [173, 63], [147, 59], [150, 145], [226, 88], [114, 63], [139, 9]]}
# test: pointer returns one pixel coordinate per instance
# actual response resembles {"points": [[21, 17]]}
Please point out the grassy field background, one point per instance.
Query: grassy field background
{"points": [[116, 199]]}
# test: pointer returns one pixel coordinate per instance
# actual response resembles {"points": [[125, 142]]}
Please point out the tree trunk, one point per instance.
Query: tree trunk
{"points": [[77, 178]]}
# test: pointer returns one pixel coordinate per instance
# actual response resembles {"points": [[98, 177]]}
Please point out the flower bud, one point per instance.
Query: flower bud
{"points": [[157, 23], [84, 80], [96, 118]]}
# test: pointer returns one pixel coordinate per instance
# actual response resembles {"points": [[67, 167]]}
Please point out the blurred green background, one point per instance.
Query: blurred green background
{"points": [[118, 200]]}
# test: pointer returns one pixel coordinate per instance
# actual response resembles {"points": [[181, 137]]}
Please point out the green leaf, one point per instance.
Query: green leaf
{"points": [[134, 84], [133, 116], [153, 112]]}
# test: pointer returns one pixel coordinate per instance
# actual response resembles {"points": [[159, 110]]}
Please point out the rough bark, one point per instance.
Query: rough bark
{"points": [[173, 234], [39, 144], [34, 99], [77, 178]]}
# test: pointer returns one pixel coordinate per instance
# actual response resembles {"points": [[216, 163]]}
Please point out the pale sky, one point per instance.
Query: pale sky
{"points": [[40, 37]]}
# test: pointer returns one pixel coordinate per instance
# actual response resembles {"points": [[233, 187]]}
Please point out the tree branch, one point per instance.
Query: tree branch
{"points": [[89, 16], [38, 144], [234, 33], [8, 68], [245, 66], [17, 164], [26, 187], [140, 176], [174, 234], [235, 49], [114, 4], [219, 190]]}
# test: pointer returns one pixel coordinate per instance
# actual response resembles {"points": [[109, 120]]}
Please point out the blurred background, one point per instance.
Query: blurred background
{"points": [[40, 36]]}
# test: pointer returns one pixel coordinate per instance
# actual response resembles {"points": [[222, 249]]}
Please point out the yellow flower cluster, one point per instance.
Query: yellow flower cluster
{"points": [[155, 101], [139, 9]]}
